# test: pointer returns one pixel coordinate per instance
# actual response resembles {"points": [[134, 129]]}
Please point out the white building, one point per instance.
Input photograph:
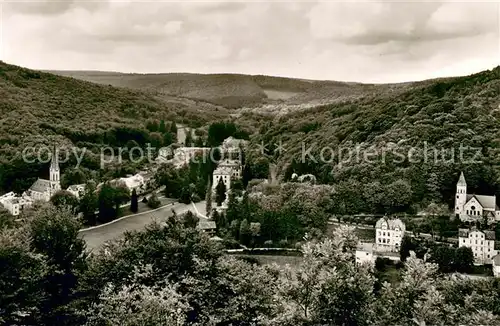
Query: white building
{"points": [[44, 189], [182, 155], [496, 265], [389, 234], [77, 190], [224, 174], [482, 244], [136, 182], [15, 204], [469, 207], [364, 253], [234, 165]]}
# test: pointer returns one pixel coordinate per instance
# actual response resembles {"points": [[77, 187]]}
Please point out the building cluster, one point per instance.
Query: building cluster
{"points": [[44, 189], [472, 207], [41, 190]]}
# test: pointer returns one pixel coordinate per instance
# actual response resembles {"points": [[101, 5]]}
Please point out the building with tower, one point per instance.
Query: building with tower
{"points": [[471, 207], [44, 189]]}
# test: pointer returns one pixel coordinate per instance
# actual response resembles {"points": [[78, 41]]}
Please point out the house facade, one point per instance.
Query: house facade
{"points": [[223, 174], [15, 204], [471, 207], [482, 244], [389, 234]]}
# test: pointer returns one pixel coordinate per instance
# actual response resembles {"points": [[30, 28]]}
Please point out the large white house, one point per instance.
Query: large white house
{"points": [[223, 174], [15, 204], [389, 234], [482, 244], [469, 207], [43, 189]]}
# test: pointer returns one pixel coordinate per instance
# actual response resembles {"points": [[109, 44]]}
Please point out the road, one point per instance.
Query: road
{"points": [[98, 236]]}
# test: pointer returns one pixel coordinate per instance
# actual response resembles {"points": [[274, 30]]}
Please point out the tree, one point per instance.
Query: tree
{"points": [[162, 127], [89, 204], [464, 259], [64, 198], [220, 193], [245, 233], [254, 232], [406, 246], [106, 202], [6, 219], [167, 139], [54, 234], [134, 204], [208, 198], [189, 138], [173, 129], [153, 201], [190, 220]]}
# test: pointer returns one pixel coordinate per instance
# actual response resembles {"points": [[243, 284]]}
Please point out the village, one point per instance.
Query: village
{"points": [[389, 231]]}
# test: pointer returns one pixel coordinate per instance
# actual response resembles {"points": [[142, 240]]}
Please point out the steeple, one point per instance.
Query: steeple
{"points": [[55, 180], [54, 164], [461, 180]]}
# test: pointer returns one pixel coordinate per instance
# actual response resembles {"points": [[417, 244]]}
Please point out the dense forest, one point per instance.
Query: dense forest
{"points": [[413, 142], [41, 109]]}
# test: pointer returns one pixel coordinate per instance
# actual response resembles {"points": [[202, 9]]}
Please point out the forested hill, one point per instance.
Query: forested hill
{"points": [[444, 114], [42, 108]]}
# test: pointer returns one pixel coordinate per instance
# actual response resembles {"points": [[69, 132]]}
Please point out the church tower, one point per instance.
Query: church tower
{"points": [[55, 181], [461, 194]]}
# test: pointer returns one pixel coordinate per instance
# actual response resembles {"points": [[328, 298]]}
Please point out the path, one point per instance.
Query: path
{"points": [[98, 236]]}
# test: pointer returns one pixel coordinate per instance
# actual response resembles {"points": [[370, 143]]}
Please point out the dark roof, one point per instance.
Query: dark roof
{"points": [[464, 233], [489, 235], [40, 185]]}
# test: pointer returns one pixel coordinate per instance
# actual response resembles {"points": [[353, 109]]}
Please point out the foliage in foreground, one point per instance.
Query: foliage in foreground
{"points": [[174, 275]]}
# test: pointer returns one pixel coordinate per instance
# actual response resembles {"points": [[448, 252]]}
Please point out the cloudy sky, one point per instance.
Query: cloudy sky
{"points": [[363, 41]]}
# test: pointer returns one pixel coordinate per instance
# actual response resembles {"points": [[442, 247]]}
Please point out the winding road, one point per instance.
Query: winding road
{"points": [[97, 236]]}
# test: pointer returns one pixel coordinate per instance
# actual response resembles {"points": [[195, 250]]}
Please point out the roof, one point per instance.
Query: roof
{"points": [[496, 260], [76, 187], [392, 224], [233, 143], [206, 225], [463, 233], [228, 162], [365, 246], [488, 235], [223, 170], [40, 185], [461, 180], [487, 202], [133, 181]]}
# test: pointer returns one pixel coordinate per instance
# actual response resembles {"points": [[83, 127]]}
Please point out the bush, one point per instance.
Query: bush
{"points": [[153, 201]]}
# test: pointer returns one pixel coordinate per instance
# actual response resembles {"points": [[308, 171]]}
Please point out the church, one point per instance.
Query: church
{"points": [[470, 207], [44, 189]]}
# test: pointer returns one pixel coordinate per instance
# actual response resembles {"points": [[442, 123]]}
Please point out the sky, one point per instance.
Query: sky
{"points": [[364, 41]]}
